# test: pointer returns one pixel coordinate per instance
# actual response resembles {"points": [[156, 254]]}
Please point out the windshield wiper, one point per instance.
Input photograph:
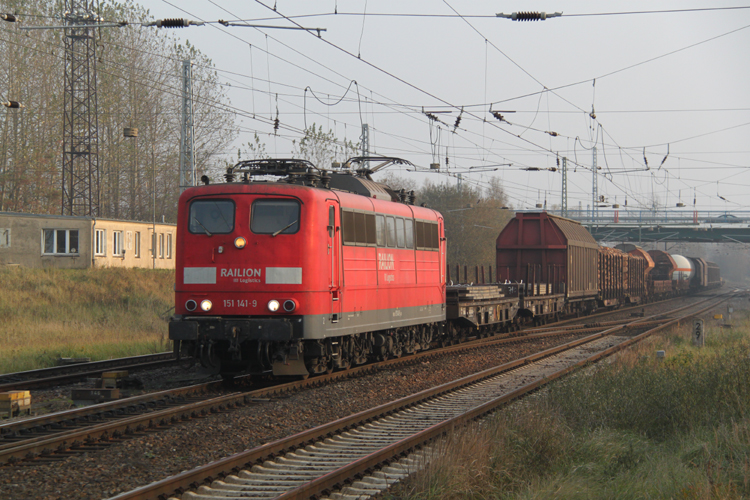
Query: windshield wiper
{"points": [[201, 225], [284, 228]]}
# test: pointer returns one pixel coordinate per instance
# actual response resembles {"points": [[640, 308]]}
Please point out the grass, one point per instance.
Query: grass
{"points": [[98, 313], [632, 428]]}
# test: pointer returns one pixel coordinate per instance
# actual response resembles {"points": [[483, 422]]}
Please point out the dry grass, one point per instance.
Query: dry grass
{"points": [[632, 428], [99, 313]]}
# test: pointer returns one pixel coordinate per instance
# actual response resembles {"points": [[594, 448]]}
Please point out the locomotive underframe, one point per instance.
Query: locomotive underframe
{"points": [[275, 345]]}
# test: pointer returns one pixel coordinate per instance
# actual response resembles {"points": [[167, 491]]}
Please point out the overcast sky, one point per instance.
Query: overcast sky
{"points": [[676, 82]]}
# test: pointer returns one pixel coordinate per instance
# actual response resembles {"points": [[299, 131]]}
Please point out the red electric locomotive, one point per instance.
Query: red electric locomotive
{"points": [[293, 270]]}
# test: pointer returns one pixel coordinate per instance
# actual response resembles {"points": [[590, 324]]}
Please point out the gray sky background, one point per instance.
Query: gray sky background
{"points": [[676, 82]]}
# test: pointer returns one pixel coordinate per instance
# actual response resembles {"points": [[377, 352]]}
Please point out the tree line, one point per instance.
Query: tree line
{"points": [[138, 85]]}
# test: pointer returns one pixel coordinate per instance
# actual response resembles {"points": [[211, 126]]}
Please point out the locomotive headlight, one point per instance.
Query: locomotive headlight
{"points": [[290, 305], [240, 242], [273, 305], [206, 305]]}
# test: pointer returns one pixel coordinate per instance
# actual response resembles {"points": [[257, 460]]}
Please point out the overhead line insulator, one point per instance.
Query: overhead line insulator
{"points": [[529, 16], [174, 23]]}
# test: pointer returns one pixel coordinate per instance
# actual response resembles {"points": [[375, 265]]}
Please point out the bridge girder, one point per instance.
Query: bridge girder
{"points": [[655, 233]]}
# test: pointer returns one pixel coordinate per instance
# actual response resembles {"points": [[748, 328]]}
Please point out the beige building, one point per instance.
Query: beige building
{"points": [[78, 242]]}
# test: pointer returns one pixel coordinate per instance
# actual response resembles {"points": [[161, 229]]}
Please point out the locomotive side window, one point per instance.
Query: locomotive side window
{"points": [[427, 236], [420, 234], [275, 217], [380, 230], [390, 231], [347, 224], [371, 238], [409, 233], [400, 240], [433, 243], [359, 228], [211, 217]]}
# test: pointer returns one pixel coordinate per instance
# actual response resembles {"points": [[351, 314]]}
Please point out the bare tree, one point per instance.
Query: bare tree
{"points": [[474, 217], [322, 148], [138, 85]]}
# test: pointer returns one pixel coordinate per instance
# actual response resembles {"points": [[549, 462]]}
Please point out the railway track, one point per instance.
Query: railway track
{"points": [[58, 375], [57, 435], [361, 455]]}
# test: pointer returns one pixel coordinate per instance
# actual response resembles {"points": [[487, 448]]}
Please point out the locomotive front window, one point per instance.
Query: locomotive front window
{"points": [[275, 217], [211, 217]]}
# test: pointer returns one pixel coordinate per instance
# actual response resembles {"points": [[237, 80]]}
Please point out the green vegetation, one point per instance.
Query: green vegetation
{"points": [[635, 427], [46, 314]]}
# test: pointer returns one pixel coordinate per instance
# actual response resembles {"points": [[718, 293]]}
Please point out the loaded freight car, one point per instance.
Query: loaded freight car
{"points": [[707, 274], [714, 275], [621, 277], [613, 269], [481, 309], [683, 274], [556, 259], [639, 272], [661, 276]]}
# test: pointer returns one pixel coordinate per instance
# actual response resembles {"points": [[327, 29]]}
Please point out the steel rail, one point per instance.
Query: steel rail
{"points": [[79, 371], [93, 411]]}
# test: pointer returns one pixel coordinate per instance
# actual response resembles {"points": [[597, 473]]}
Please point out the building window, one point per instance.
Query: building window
{"points": [[169, 245], [117, 243], [161, 245], [129, 241], [100, 242], [137, 242], [5, 238], [59, 241]]}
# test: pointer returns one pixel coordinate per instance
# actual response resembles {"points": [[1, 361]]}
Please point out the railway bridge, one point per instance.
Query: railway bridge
{"points": [[645, 226]]}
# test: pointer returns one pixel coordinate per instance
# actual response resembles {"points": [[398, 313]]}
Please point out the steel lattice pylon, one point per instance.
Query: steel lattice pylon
{"points": [[80, 171], [187, 147]]}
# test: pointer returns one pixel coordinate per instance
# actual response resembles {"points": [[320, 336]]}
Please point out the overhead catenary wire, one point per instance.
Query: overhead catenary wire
{"points": [[412, 111]]}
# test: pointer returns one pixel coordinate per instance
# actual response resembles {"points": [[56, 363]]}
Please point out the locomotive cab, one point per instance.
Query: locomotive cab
{"points": [[241, 265]]}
